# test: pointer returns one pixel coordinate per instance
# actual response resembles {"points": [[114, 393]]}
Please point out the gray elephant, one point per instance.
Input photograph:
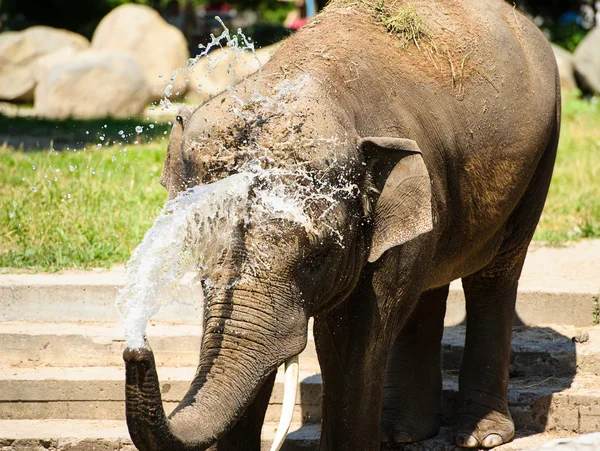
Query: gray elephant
{"points": [[415, 143]]}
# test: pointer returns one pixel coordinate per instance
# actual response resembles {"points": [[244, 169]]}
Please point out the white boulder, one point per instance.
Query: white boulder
{"points": [[19, 52], [158, 47], [564, 60], [92, 84], [211, 74], [587, 61]]}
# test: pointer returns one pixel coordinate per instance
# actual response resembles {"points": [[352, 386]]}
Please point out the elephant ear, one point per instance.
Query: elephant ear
{"points": [[403, 210], [174, 173]]}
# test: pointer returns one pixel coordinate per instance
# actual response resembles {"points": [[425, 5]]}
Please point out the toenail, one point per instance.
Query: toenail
{"points": [[466, 440], [402, 437], [492, 440]]}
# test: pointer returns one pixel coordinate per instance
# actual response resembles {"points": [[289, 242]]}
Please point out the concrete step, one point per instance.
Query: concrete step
{"points": [[570, 404], [557, 286], [88, 435], [25, 344], [98, 393], [536, 351], [107, 435]]}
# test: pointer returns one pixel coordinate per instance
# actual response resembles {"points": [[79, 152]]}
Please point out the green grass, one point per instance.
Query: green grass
{"points": [[90, 208], [77, 209], [573, 207]]}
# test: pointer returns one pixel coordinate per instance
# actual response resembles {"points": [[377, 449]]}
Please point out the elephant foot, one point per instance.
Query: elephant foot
{"points": [[487, 431], [398, 430]]}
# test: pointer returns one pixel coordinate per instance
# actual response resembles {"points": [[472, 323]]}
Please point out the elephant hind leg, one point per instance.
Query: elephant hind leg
{"points": [[413, 389], [484, 419]]}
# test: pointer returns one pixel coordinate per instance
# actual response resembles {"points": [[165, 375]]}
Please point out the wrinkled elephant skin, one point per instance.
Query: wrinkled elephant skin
{"points": [[415, 145]]}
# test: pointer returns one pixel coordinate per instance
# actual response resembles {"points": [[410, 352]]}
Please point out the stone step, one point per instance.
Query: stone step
{"points": [[536, 351], [97, 393], [24, 344], [88, 435], [110, 435], [569, 404], [547, 295]]}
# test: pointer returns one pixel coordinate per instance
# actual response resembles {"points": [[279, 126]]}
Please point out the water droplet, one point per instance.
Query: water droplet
{"points": [[68, 195], [11, 214], [87, 132], [113, 159], [139, 129], [33, 167], [121, 132], [71, 168], [93, 171], [151, 126], [56, 179], [15, 204], [102, 138], [99, 146]]}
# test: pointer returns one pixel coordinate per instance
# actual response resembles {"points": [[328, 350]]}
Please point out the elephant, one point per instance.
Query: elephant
{"points": [[408, 145]]}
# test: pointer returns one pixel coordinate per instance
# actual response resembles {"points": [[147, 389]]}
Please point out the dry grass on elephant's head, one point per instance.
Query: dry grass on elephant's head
{"points": [[421, 35], [401, 19]]}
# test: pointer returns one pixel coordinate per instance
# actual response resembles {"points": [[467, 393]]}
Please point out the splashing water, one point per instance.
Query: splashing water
{"points": [[188, 241], [182, 247]]}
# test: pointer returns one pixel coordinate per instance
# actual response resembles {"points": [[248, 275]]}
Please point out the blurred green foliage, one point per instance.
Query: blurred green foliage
{"points": [[567, 36], [565, 22], [81, 16]]}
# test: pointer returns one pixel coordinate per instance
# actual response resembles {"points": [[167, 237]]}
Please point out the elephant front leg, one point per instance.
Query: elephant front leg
{"points": [[246, 434], [352, 350], [412, 400]]}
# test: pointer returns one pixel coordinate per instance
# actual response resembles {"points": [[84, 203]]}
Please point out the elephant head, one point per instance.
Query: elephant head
{"points": [[306, 233]]}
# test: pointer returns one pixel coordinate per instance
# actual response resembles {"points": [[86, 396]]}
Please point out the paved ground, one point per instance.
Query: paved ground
{"points": [[574, 268], [52, 399]]}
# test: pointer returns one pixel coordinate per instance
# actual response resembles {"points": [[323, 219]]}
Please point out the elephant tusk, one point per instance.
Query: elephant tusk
{"points": [[290, 391]]}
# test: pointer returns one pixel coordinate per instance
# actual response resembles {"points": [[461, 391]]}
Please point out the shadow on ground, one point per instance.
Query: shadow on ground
{"points": [[32, 133]]}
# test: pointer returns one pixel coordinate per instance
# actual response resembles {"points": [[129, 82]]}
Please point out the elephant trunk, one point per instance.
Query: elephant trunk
{"points": [[242, 346]]}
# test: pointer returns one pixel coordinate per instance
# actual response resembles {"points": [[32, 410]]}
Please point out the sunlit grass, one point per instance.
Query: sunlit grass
{"points": [[77, 209], [573, 207], [91, 208]]}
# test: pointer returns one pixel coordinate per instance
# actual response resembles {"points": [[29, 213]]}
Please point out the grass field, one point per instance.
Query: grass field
{"points": [[90, 208], [573, 207], [77, 209]]}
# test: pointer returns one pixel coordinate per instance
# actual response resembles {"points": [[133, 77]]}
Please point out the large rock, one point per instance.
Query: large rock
{"points": [[19, 51], [564, 60], [158, 47], [587, 61], [212, 74], [93, 84], [46, 63]]}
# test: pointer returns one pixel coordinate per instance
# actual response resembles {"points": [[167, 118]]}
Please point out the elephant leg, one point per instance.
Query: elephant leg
{"points": [[352, 368], [353, 343], [484, 419], [412, 408], [245, 435]]}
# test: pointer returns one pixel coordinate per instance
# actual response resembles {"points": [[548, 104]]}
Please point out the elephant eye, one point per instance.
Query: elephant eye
{"points": [[316, 261]]}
